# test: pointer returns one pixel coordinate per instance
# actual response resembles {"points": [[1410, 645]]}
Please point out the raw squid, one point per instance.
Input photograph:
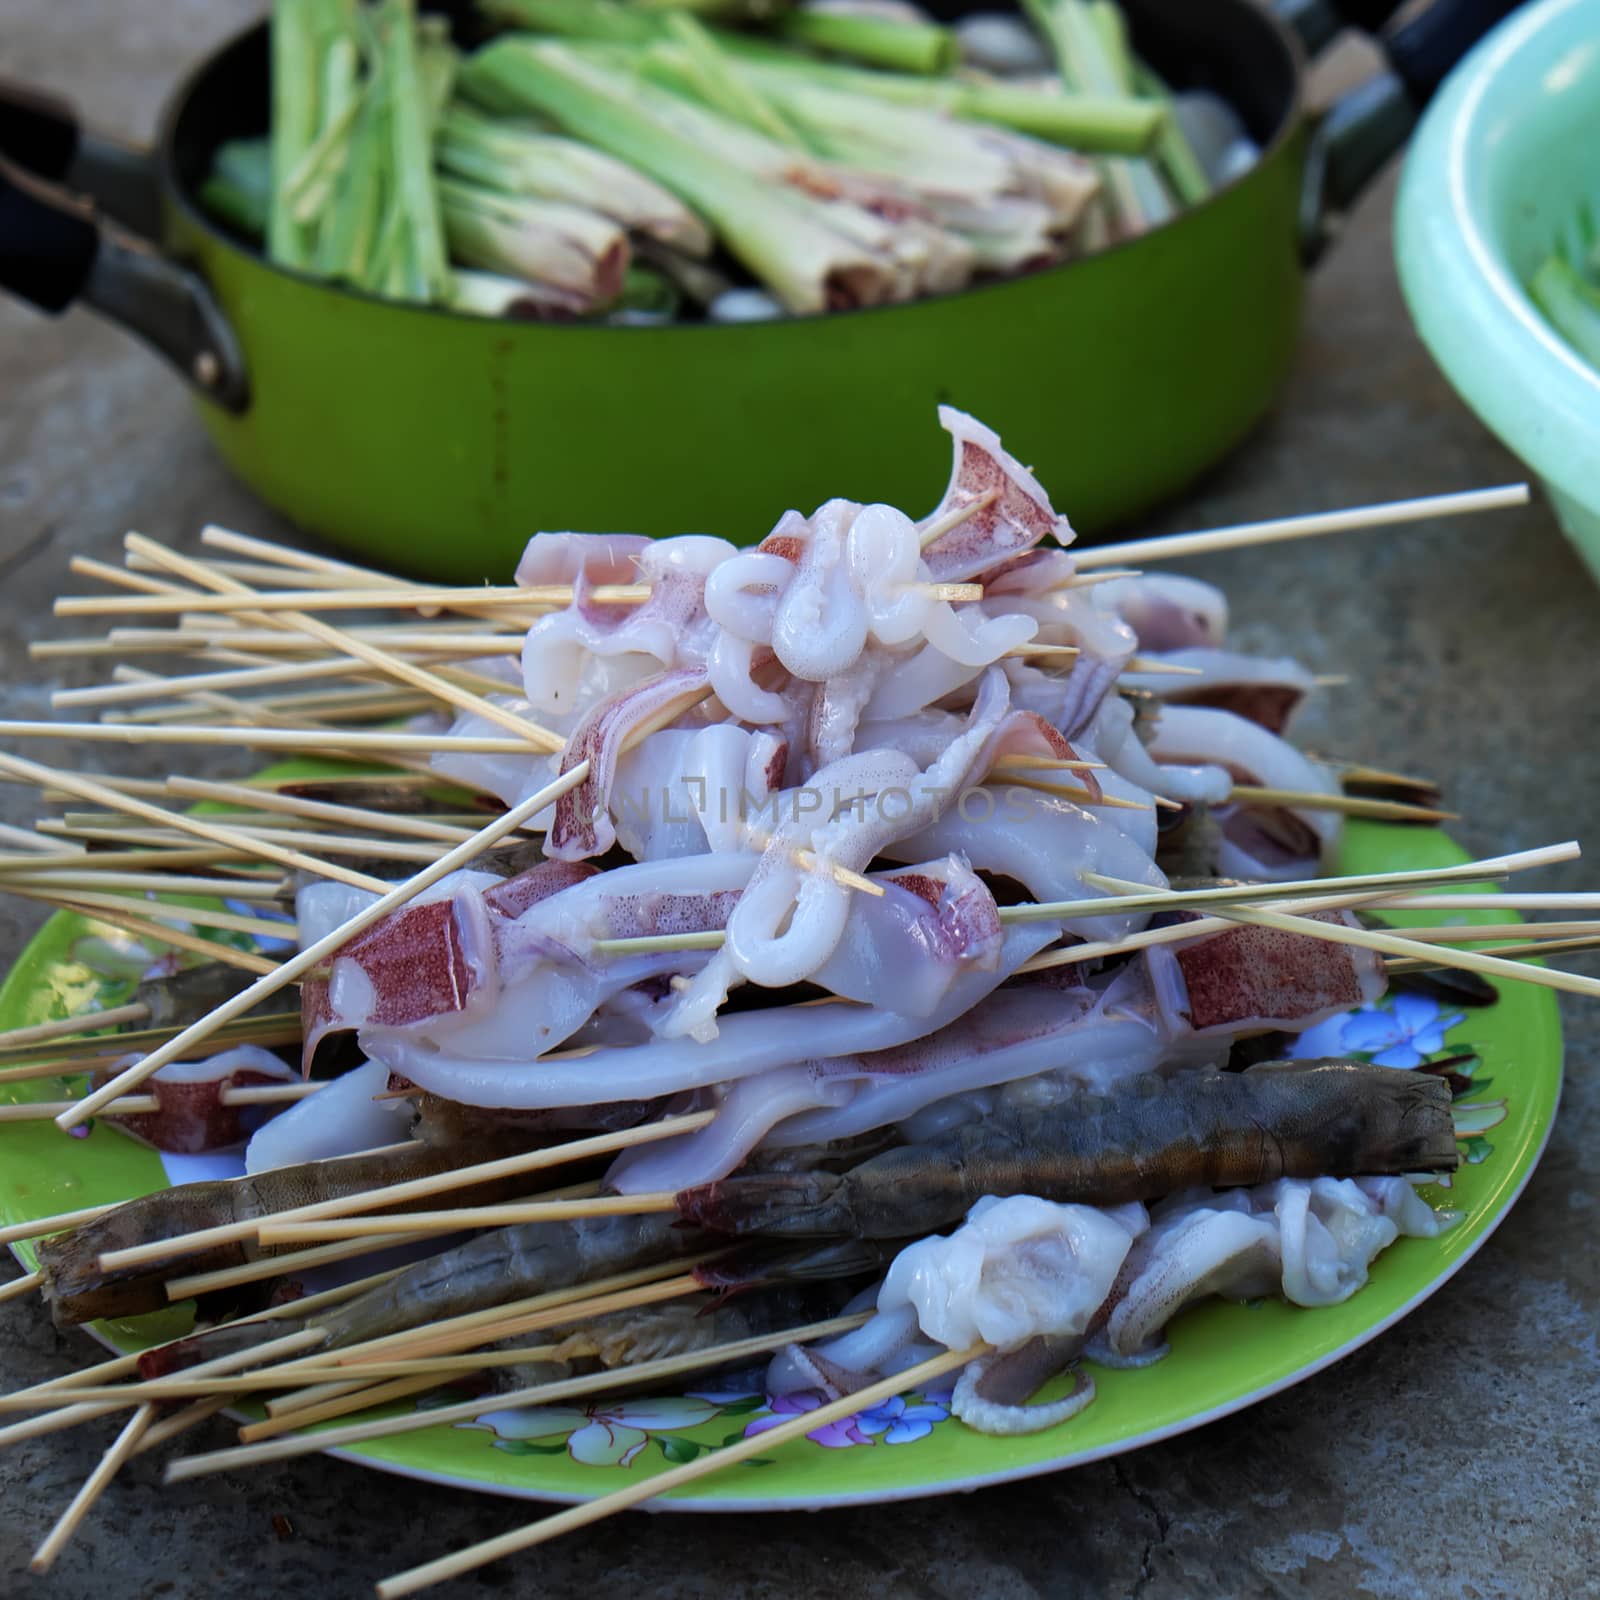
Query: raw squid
{"points": [[669, 630], [190, 1115], [339, 1120], [747, 1042], [1261, 979], [1268, 843], [1310, 1239], [1166, 611], [1266, 692], [1017, 1268]]}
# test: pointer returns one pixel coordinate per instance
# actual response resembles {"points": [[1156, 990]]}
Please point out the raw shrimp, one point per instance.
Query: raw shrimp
{"points": [[1146, 1137], [79, 1291]]}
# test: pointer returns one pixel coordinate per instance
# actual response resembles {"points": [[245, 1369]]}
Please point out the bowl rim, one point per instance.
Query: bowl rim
{"points": [[1482, 327]]}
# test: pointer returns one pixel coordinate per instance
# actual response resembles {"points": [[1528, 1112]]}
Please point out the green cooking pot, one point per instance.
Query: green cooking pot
{"points": [[439, 442]]}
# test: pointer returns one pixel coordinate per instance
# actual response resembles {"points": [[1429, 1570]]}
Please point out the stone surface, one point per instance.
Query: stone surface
{"points": [[1453, 1457]]}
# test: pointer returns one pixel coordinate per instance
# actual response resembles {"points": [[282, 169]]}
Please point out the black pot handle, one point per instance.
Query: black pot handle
{"points": [[1316, 23], [1372, 121], [55, 250]]}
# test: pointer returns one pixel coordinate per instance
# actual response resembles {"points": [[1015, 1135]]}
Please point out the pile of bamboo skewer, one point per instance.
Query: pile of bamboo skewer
{"points": [[265, 669]]}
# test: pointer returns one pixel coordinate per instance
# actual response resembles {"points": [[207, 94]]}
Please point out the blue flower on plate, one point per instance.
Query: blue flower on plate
{"points": [[1404, 1036], [898, 1422], [1403, 1033]]}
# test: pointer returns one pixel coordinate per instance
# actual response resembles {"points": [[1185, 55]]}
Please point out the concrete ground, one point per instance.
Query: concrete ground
{"points": [[1453, 1457]]}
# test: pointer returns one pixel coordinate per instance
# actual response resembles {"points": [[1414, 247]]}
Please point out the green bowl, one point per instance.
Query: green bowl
{"points": [[1496, 174]]}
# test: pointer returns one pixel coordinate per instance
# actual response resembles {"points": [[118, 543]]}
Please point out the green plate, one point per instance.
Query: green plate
{"points": [[1223, 1356]]}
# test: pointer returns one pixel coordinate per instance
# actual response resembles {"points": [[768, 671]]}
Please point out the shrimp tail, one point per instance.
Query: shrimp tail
{"points": [[79, 1290]]}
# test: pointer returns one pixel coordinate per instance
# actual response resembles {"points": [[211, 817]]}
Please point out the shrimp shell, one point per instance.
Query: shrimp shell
{"points": [[1147, 1137]]}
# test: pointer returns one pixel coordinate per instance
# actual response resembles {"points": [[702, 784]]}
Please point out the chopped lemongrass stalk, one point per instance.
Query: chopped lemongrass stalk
{"points": [[1135, 194], [415, 201], [723, 87], [924, 148], [563, 247], [522, 160], [880, 41], [577, 19], [310, 186], [779, 235], [1087, 123], [294, 123], [436, 67], [1572, 306], [239, 189], [491, 294], [1173, 149]]}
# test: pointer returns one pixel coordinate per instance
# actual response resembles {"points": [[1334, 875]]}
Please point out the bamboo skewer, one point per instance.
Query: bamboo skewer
{"points": [[317, 810], [296, 560], [332, 710], [340, 741], [160, 883], [40, 1061], [18, 1287], [515, 1399], [361, 1399], [94, 1486], [1350, 805], [1131, 897], [512, 1327], [314, 954], [224, 645], [426, 1223], [81, 1410], [103, 863], [1398, 945], [413, 1189], [85, 1022], [1148, 666], [1436, 955], [68, 1416], [405, 1342], [376, 598], [935, 528], [40, 1226], [138, 1105], [1534, 950], [361, 1373], [192, 1285], [1496, 902], [89, 902], [291, 833], [1281, 529], [100, 1372], [143, 688], [157, 932], [88, 789], [1487, 933], [26, 839], [536, 737], [581, 1516]]}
